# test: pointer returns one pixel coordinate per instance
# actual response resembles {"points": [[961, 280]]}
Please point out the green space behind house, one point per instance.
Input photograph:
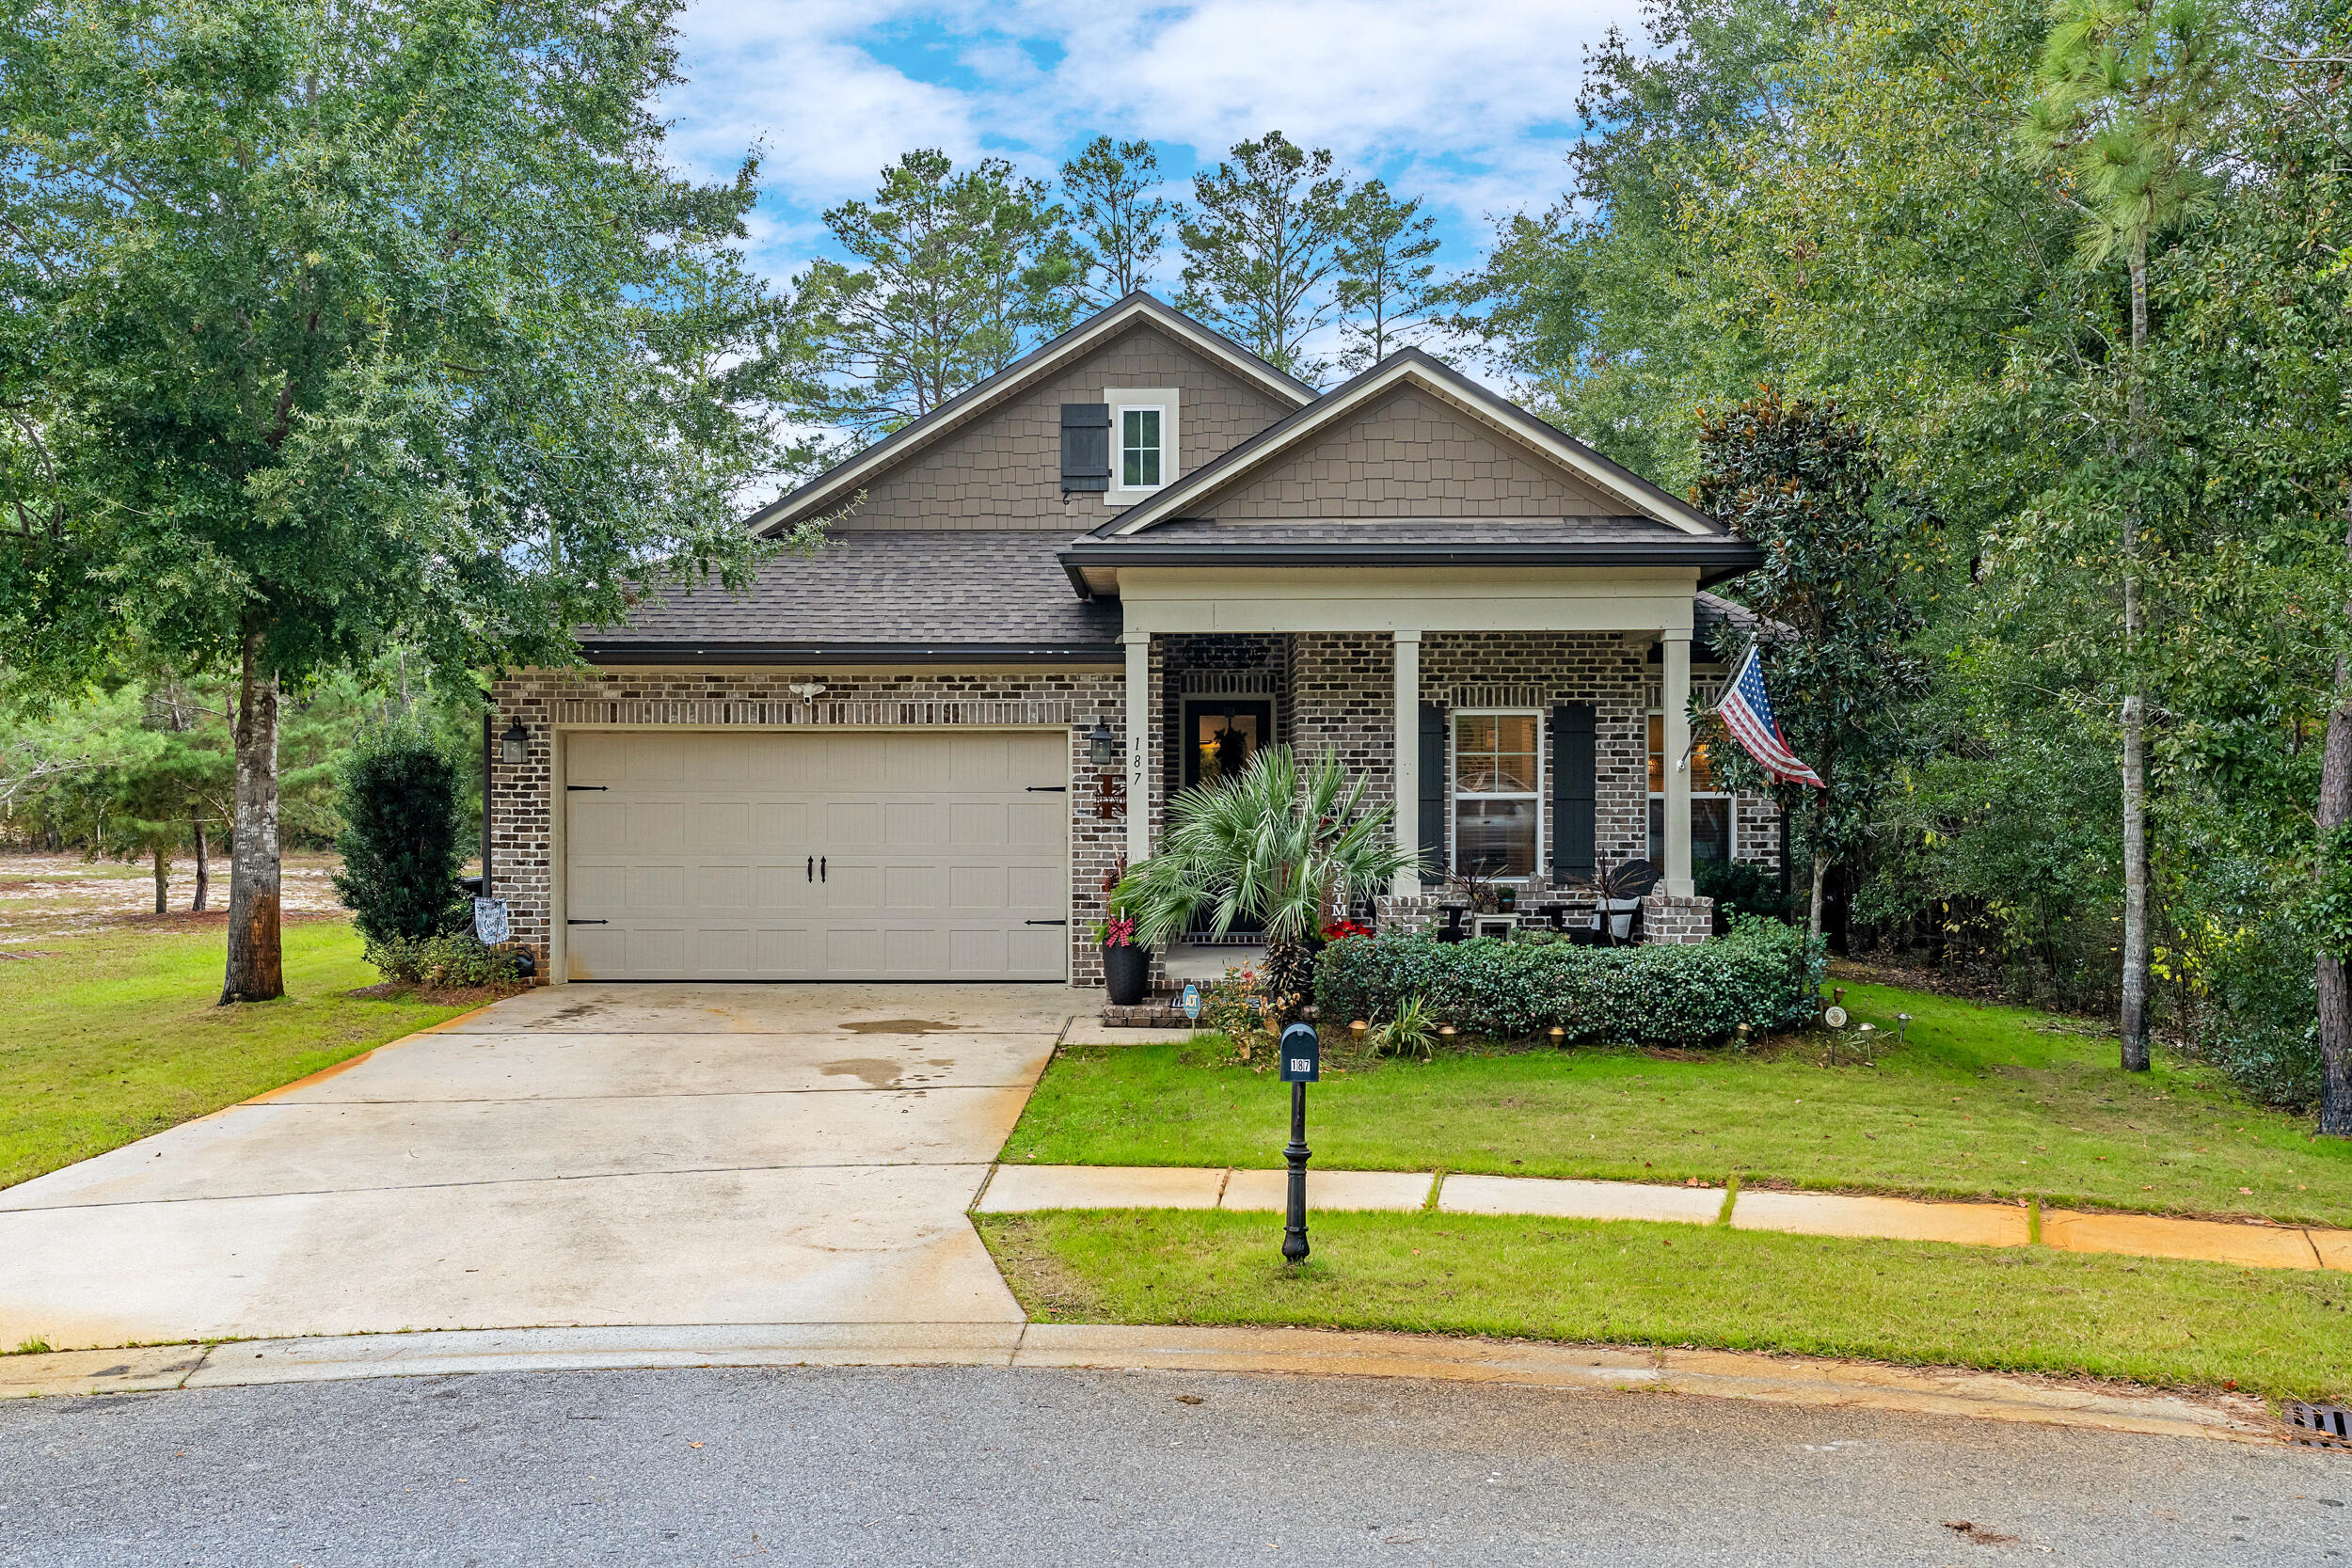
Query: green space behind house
{"points": [[1982, 1101]]}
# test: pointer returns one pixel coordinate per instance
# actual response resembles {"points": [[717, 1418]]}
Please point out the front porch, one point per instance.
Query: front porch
{"points": [[1543, 717]]}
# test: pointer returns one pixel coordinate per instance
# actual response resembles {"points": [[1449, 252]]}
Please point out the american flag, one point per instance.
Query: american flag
{"points": [[1747, 713]]}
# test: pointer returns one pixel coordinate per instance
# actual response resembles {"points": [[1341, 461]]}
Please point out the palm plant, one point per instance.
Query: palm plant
{"points": [[1279, 844]]}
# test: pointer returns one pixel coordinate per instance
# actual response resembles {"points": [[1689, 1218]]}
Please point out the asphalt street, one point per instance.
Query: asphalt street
{"points": [[953, 1465]]}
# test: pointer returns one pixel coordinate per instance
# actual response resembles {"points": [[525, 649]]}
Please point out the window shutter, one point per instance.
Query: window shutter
{"points": [[1086, 447], [1433, 782], [1575, 787]]}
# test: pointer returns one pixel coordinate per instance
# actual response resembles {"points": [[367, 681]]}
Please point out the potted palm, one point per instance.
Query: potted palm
{"points": [[1279, 846]]}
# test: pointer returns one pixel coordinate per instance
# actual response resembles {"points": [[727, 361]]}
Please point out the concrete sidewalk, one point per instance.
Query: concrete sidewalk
{"points": [[1022, 1189], [1722, 1374]]}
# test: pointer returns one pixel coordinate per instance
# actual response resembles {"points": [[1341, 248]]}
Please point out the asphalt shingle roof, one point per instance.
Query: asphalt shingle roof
{"points": [[890, 587]]}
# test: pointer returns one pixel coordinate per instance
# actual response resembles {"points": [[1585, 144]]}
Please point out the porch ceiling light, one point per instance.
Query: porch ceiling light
{"points": [[1101, 746], [515, 744]]}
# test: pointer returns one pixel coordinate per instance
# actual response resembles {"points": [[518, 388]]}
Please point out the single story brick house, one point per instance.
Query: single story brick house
{"points": [[1115, 568]]}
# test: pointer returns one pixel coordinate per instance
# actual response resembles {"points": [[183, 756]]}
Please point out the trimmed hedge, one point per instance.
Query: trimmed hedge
{"points": [[1764, 974]]}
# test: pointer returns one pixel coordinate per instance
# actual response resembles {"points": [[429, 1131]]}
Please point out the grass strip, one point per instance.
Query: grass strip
{"points": [[116, 1036], [2277, 1332], [1982, 1103]]}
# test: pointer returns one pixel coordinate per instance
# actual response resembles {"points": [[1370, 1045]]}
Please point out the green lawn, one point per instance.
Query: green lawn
{"points": [[1983, 1101], [2280, 1332], [116, 1036]]}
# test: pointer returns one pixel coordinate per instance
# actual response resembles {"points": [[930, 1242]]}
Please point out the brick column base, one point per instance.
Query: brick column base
{"points": [[1682, 921]]}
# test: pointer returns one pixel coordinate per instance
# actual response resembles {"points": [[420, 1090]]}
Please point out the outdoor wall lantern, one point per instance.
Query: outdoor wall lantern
{"points": [[514, 744], [1101, 746]]}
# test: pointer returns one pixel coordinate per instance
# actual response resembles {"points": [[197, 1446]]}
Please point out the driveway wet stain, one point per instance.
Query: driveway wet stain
{"points": [[880, 1072], [898, 1026]]}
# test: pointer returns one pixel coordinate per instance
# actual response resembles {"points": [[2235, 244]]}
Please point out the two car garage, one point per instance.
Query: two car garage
{"points": [[931, 854]]}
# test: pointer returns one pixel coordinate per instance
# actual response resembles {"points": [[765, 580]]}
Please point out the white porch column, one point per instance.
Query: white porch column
{"points": [[1138, 645], [1408, 882], [1676, 702]]}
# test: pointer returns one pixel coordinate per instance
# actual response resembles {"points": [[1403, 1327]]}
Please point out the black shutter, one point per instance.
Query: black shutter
{"points": [[1433, 860], [1086, 447], [1575, 769]]}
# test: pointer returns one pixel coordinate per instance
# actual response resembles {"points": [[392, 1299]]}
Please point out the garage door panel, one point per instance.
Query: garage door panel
{"points": [[853, 825], [1035, 888], [936, 853], [1029, 949], [974, 888], [1040, 821], [914, 825]]}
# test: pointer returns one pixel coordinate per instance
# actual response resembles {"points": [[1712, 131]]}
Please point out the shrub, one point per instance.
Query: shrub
{"points": [[1741, 887], [445, 962], [400, 800], [1764, 974], [1238, 1008]]}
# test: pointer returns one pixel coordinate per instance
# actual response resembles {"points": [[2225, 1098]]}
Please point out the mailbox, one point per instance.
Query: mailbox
{"points": [[1302, 1054]]}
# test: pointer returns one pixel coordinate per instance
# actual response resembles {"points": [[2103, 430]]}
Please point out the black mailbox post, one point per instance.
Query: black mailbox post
{"points": [[1302, 1064]]}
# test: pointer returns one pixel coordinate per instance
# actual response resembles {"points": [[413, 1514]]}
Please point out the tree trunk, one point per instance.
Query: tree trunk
{"points": [[1821, 884], [203, 868], [2335, 985], [256, 966], [162, 882], [2135, 942]]}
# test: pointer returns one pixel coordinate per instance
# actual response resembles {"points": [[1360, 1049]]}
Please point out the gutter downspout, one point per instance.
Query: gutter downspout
{"points": [[486, 802]]}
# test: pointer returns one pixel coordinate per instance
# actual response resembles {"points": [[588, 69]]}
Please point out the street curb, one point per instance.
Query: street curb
{"points": [[1710, 1374]]}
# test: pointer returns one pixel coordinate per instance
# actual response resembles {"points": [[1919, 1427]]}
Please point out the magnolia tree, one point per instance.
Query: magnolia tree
{"points": [[332, 323], [1836, 603]]}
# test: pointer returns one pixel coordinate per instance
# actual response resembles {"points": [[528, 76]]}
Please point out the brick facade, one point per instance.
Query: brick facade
{"points": [[1331, 692], [523, 836]]}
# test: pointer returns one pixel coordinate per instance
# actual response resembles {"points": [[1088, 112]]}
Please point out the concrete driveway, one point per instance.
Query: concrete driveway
{"points": [[588, 1154]]}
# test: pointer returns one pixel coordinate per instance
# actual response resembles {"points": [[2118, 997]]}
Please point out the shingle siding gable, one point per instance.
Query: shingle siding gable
{"points": [[1003, 470], [1410, 455]]}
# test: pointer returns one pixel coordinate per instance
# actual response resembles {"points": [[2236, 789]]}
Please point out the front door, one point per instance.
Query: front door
{"points": [[1222, 734]]}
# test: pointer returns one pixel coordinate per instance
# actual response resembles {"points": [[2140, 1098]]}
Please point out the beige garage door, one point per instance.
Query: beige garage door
{"points": [[853, 855]]}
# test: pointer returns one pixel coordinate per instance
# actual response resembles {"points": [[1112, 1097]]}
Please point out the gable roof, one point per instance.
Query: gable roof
{"points": [[1635, 497], [843, 479]]}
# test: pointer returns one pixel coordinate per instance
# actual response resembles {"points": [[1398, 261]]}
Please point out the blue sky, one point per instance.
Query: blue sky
{"points": [[1468, 106]]}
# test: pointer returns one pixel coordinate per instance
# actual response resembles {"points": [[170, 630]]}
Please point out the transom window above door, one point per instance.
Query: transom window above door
{"points": [[1498, 793]]}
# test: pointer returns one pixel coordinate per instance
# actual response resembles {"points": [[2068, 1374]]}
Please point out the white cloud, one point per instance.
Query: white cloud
{"points": [[1464, 103]]}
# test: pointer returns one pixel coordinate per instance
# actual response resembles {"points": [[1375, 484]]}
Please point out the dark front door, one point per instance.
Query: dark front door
{"points": [[1222, 734]]}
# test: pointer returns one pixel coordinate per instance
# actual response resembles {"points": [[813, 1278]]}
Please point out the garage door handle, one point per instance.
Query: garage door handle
{"points": [[587, 923], [820, 868], [1046, 922], [812, 868]]}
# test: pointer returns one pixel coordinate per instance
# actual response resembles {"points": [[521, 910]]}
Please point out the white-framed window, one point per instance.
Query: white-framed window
{"points": [[1144, 427], [1714, 815], [1498, 774], [1139, 432]]}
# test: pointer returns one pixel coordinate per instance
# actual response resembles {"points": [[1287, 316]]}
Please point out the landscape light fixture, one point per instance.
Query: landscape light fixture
{"points": [[515, 744]]}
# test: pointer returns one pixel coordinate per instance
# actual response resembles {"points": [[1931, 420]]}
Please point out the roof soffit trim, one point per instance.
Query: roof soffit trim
{"points": [[844, 478], [1507, 418]]}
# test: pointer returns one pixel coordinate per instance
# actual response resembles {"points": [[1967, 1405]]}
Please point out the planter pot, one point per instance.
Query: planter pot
{"points": [[1621, 917], [1127, 971]]}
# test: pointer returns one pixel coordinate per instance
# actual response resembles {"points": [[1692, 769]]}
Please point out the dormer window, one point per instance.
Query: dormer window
{"points": [[1143, 442], [1139, 448]]}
